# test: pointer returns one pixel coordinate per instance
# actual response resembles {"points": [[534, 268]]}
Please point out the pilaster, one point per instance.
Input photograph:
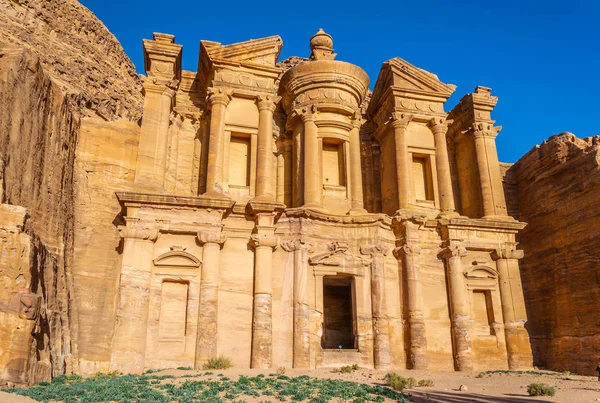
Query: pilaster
{"points": [[439, 127], [129, 343], [399, 123], [163, 69], [264, 159], [206, 343], [381, 350], [513, 306], [459, 306], [356, 185], [218, 99], [301, 343], [313, 186]]}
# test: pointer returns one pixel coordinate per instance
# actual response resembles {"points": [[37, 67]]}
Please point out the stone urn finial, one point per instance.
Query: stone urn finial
{"points": [[321, 45]]}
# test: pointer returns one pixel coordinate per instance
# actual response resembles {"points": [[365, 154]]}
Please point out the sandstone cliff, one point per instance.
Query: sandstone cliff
{"points": [[555, 188], [58, 66], [78, 52]]}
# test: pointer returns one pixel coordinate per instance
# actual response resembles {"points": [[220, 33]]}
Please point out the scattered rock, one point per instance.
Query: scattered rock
{"points": [[463, 388]]}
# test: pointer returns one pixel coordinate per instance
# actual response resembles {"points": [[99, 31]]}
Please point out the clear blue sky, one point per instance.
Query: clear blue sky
{"points": [[541, 58]]}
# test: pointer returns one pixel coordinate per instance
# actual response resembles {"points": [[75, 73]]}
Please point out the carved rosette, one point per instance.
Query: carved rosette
{"points": [[212, 237], [139, 233], [264, 240]]}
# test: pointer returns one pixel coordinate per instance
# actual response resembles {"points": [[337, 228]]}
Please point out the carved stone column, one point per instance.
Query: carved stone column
{"points": [[416, 321], [219, 99], [129, 343], [459, 307], [264, 158], [381, 349], [513, 307], [492, 192], [403, 165], [301, 342], [442, 164], [356, 190], [206, 343], [313, 186], [262, 326]]}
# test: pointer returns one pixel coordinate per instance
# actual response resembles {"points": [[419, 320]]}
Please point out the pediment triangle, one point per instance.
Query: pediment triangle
{"points": [[264, 51], [410, 77]]}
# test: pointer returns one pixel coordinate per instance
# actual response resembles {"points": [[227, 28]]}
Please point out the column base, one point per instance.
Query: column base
{"points": [[358, 211]]}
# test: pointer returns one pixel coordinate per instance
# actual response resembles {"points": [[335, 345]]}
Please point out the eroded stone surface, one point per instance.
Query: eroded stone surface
{"points": [[557, 185]]}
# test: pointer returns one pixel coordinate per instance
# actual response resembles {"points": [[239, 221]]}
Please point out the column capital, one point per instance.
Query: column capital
{"points": [[508, 252], [212, 237], [264, 240], [407, 250], [219, 96], [454, 250], [400, 120], [160, 87], [267, 102], [357, 122], [439, 125], [479, 130], [307, 114], [374, 250], [139, 233], [298, 244]]}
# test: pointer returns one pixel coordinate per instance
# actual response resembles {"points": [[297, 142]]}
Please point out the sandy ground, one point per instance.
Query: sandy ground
{"points": [[494, 388]]}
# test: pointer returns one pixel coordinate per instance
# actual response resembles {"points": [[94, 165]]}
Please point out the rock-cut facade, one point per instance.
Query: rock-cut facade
{"points": [[283, 215]]}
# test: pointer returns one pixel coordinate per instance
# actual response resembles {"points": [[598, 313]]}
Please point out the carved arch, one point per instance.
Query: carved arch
{"points": [[177, 259]]}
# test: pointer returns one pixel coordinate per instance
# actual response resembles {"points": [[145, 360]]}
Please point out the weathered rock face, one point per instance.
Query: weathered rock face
{"points": [[557, 186], [78, 52], [58, 64]]}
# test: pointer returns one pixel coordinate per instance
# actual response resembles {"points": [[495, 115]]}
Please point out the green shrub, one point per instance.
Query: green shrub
{"points": [[540, 389], [220, 362], [398, 382], [425, 383]]}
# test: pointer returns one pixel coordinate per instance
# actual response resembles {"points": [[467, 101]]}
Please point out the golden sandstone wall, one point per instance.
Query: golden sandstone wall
{"points": [[555, 190], [269, 211]]}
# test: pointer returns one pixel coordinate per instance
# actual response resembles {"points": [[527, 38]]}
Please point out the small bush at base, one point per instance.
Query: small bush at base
{"points": [[220, 362], [280, 371], [540, 389], [398, 382], [347, 369], [425, 383]]}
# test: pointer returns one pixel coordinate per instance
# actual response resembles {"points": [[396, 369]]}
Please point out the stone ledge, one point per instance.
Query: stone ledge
{"points": [[129, 199]]}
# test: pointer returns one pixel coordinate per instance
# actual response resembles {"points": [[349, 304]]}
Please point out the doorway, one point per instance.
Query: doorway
{"points": [[339, 324]]}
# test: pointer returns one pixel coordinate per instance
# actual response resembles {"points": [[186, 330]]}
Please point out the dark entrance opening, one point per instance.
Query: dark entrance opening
{"points": [[338, 315]]}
